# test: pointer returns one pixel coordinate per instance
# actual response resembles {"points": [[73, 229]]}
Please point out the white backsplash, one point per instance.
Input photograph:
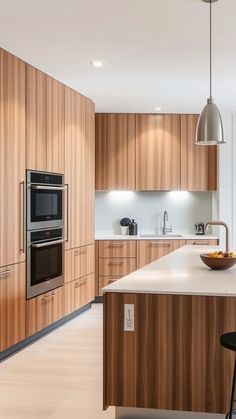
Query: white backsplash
{"points": [[184, 209]]}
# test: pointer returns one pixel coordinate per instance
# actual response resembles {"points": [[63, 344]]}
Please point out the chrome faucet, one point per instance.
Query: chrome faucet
{"points": [[220, 223], [165, 228]]}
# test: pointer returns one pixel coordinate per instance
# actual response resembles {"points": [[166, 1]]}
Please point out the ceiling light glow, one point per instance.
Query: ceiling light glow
{"points": [[157, 109], [98, 64]]}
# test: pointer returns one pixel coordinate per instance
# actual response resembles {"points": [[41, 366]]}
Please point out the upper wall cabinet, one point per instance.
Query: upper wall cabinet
{"points": [[157, 152], [12, 158], [79, 168], [45, 106], [115, 151], [198, 163]]}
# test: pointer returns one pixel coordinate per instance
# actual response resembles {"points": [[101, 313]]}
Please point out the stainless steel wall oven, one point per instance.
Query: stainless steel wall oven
{"points": [[45, 198], [45, 263]]}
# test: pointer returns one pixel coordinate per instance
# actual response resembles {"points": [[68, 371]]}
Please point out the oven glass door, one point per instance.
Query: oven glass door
{"points": [[46, 205], [46, 263]]}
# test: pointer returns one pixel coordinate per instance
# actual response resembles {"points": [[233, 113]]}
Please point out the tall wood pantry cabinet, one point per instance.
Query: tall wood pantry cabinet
{"points": [[12, 158], [45, 122]]}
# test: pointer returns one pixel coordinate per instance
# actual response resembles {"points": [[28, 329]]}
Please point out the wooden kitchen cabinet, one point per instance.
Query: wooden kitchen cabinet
{"points": [[115, 151], [114, 259], [151, 250], [45, 119], [78, 293], [12, 305], [79, 168], [203, 242], [44, 310], [116, 266], [158, 146], [79, 262], [12, 158], [117, 248], [198, 163]]}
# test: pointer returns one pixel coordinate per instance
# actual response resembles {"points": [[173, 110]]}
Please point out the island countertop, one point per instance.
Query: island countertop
{"points": [[182, 273]]}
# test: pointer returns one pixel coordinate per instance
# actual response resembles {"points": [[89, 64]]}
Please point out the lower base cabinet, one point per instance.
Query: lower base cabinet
{"points": [[44, 310], [151, 250], [78, 293], [12, 305]]}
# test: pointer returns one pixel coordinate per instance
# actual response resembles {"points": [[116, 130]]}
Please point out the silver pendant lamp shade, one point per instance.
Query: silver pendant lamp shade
{"points": [[210, 129]]}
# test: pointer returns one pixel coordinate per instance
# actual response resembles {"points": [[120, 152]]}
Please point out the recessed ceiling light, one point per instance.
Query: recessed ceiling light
{"points": [[157, 109], [98, 63]]}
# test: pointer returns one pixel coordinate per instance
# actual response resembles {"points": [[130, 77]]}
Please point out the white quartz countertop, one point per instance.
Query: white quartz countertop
{"points": [[149, 236], [181, 272]]}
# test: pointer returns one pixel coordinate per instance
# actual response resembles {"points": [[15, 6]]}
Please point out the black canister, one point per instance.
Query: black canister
{"points": [[133, 228]]}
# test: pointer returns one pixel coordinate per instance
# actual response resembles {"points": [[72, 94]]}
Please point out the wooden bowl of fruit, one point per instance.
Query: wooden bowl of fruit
{"points": [[219, 260]]}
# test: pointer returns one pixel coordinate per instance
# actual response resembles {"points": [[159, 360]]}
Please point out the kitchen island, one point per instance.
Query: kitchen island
{"points": [[162, 325]]}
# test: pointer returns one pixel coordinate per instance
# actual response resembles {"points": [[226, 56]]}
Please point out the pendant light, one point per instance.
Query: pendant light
{"points": [[210, 129]]}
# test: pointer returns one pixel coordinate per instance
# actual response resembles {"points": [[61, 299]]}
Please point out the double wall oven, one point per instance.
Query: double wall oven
{"points": [[45, 232]]}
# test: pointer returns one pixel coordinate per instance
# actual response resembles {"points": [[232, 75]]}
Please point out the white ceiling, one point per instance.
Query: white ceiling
{"points": [[156, 50]]}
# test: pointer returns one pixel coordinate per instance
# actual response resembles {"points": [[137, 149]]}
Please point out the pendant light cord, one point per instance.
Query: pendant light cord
{"points": [[210, 50]]}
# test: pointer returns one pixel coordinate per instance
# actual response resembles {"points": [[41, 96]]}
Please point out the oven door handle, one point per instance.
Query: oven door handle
{"points": [[46, 244], [48, 188]]}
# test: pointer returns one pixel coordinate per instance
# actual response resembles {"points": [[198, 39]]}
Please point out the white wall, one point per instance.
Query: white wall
{"points": [[184, 208], [226, 198]]}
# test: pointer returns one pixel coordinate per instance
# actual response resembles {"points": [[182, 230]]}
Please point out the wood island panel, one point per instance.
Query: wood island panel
{"points": [[173, 360]]}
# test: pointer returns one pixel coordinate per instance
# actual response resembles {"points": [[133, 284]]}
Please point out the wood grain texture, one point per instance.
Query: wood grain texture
{"points": [[55, 126], [117, 266], [12, 305], [115, 151], [198, 164], [151, 250], [117, 248], [157, 152], [202, 242], [36, 119], [45, 122], [96, 268], [12, 158], [79, 262], [173, 360], [79, 293], [44, 310], [79, 168]]}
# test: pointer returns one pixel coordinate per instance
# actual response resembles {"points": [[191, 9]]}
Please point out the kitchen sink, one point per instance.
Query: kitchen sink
{"points": [[156, 236]]}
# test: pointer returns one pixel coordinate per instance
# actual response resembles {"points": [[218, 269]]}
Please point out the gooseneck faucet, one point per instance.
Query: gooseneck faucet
{"points": [[165, 228], [220, 223]]}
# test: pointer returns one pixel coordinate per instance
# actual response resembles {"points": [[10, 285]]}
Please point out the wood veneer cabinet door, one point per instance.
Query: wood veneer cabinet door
{"points": [[79, 168], [115, 151], [157, 152], [45, 122], [12, 158], [55, 126], [36, 119], [204, 242], [198, 163], [79, 262], [151, 250], [117, 266], [79, 293], [117, 248], [44, 310], [12, 305]]}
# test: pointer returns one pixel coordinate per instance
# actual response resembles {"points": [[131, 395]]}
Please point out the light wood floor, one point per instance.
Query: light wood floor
{"points": [[58, 377]]}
